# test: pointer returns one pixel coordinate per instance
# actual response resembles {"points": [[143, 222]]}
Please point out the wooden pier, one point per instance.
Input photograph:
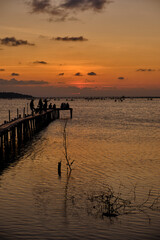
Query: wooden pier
{"points": [[16, 133]]}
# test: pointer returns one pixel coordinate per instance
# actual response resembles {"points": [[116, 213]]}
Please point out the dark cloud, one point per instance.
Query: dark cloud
{"points": [[61, 74], [14, 74], [40, 62], [121, 78], [2, 69], [91, 74], [78, 74], [13, 81], [84, 4], [145, 70], [65, 10], [40, 5], [70, 39], [13, 42]]}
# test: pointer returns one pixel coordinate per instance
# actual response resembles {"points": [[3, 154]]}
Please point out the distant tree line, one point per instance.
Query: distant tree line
{"points": [[14, 95]]}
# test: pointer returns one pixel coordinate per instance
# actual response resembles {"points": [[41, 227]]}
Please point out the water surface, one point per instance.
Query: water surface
{"points": [[113, 144]]}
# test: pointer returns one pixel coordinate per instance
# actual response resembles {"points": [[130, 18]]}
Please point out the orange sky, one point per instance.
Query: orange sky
{"points": [[85, 47]]}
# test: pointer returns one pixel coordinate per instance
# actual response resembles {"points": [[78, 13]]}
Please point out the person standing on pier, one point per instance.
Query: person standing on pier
{"points": [[40, 105], [45, 104], [32, 105]]}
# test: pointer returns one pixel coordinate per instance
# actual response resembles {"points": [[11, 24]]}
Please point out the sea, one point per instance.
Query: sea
{"points": [[113, 190]]}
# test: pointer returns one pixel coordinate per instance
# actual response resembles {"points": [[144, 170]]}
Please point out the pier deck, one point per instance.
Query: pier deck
{"points": [[6, 126]]}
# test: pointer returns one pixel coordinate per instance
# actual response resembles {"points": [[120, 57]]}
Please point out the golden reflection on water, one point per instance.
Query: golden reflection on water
{"points": [[112, 144]]}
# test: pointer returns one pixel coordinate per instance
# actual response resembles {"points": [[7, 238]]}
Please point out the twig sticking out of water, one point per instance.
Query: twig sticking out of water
{"points": [[111, 204], [68, 163]]}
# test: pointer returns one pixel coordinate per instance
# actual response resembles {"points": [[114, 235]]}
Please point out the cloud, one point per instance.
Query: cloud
{"points": [[2, 69], [61, 74], [61, 10], [121, 78], [145, 70], [78, 74], [84, 4], [13, 42], [70, 39], [40, 62], [40, 5], [14, 74], [13, 81], [91, 74]]}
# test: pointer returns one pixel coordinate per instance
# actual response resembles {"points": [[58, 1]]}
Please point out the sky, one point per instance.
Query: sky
{"points": [[80, 47]]}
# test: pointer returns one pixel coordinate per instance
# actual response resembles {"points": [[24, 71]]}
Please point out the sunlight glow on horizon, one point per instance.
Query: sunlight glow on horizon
{"points": [[119, 45]]}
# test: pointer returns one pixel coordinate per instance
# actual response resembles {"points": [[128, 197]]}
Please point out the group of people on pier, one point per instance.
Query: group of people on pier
{"points": [[64, 105], [42, 106]]}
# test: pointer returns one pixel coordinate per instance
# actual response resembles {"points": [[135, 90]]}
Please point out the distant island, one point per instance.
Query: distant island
{"points": [[11, 95]]}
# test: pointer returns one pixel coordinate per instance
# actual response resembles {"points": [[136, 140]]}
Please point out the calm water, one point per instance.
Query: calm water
{"points": [[113, 144]]}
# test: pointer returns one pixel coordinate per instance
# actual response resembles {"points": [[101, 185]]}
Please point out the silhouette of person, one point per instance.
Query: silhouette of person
{"points": [[62, 105], [67, 105], [32, 105], [50, 105], [45, 104], [40, 105]]}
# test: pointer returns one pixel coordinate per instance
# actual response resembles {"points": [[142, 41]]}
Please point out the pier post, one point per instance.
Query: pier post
{"points": [[58, 113], [24, 112], [1, 147], [13, 138], [6, 142], [19, 128], [9, 115], [71, 112], [27, 109]]}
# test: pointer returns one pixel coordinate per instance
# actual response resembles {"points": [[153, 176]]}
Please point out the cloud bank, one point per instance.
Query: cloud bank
{"points": [[13, 42], [66, 91], [91, 74], [40, 62], [13, 81], [145, 70], [66, 9], [14, 74], [78, 74], [70, 39]]}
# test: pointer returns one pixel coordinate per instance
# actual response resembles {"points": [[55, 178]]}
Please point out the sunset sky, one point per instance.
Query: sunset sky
{"points": [[80, 47]]}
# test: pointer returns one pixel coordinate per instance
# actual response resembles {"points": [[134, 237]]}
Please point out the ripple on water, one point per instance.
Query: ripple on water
{"points": [[115, 144]]}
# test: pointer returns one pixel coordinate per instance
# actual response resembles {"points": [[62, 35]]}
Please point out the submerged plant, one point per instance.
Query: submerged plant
{"points": [[111, 204]]}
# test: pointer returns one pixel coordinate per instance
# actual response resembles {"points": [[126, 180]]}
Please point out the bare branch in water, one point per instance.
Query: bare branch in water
{"points": [[111, 204], [65, 147]]}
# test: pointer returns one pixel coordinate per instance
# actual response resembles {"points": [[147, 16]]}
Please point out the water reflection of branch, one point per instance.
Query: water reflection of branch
{"points": [[66, 194]]}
